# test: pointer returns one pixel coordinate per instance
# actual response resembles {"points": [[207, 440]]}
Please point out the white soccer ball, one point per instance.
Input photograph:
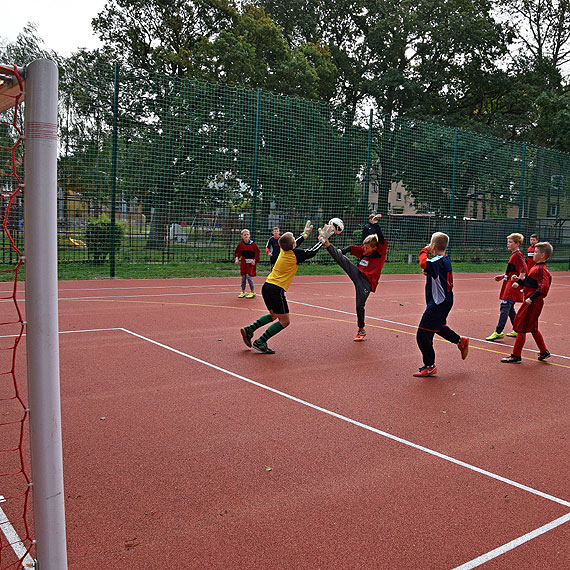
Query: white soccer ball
{"points": [[337, 224]]}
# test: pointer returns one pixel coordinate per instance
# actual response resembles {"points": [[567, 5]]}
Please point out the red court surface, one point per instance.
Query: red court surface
{"points": [[185, 449]]}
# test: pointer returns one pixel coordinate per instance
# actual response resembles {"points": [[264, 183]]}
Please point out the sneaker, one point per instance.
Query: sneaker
{"points": [[325, 233], [495, 336], [512, 359], [242, 294], [360, 335], [543, 355], [513, 334], [426, 371], [246, 335], [250, 296], [463, 347], [262, 347]]}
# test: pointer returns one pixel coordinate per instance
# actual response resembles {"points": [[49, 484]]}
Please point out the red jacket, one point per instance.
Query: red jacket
{"points": [[515, 266], [249, 253], [371, 265]]}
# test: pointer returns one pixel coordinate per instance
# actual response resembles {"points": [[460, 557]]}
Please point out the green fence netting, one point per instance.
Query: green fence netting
{"points": [[184, 166]]}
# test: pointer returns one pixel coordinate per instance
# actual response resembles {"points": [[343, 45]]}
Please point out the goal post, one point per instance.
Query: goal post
{"points": [[41, 294]]}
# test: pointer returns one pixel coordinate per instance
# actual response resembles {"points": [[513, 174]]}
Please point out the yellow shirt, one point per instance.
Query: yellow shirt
{"points": [[284, 270]]}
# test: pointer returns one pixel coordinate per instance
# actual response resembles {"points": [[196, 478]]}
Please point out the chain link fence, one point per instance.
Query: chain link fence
{"points": [[182, 167]]}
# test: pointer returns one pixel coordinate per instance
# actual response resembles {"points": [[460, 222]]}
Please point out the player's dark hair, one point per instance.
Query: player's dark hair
{"points": [[286, 241], [534, 236], [545, 248]]}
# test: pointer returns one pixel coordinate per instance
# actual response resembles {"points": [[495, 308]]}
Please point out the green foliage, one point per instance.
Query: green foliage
{"points": [[100, 240]]}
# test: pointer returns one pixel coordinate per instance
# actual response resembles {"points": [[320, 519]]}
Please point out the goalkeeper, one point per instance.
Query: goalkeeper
{"points": [[366, 274], [276, 285]]}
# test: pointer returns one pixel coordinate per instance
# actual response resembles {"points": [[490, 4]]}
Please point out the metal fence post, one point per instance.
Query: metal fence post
{"points": [[114, 174], [366, 192], [453, 177], [255, 165], [521, 193]]}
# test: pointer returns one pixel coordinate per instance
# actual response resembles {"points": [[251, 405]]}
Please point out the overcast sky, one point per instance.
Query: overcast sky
{"points": [[64, 25]]}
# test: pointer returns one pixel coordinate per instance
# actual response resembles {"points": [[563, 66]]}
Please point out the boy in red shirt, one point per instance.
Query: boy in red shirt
{"points": [[516, 267], [530, 251], [536, 286], [248, 251], [365, 275]]}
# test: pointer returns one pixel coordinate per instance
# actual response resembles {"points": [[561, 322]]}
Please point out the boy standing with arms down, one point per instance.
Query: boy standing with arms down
{"points": [[509, 296], [439, 299], [536, 285], [276, 285], [248, 252], [365, 275], [272, 247]]}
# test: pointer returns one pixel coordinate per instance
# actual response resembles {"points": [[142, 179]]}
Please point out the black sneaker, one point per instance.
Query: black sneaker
{"points": [[262, 347], [544, 355], [246, 335], [512, 359]]}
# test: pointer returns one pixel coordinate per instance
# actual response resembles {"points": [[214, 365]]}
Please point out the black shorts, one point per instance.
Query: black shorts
{"points": [[274, 298]]}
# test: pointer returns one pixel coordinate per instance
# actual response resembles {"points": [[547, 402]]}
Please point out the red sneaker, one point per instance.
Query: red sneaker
{"points": [[463, 347], [360, 335], [426, 371]]}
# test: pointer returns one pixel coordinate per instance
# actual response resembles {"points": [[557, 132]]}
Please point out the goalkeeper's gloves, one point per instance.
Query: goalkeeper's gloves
{"points": [[308, 228], [325, 233]]}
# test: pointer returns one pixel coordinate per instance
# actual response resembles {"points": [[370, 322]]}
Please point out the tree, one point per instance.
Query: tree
{"points": [[543, 29], [213, 40]]}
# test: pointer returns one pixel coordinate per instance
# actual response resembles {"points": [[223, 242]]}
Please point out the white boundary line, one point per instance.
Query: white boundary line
{"points": [[19, 547], [355, 422], [468, 565], [407, 325], [512, 544], [14, 540]]}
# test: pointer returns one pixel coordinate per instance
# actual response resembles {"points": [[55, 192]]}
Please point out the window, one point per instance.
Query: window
{"points": [[553, 211], [398, 196]]}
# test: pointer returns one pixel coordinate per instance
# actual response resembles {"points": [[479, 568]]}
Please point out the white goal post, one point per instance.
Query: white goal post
{"points": [[42, 332]]}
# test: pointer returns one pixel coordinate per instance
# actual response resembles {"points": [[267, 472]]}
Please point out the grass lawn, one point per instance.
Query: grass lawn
{"points": [[74, 271]]}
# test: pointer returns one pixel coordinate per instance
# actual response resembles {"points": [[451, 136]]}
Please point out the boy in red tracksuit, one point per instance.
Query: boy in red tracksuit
{"points": [[371, 255], [530, 251], [248, 251], [536, 286], [516, 268]]}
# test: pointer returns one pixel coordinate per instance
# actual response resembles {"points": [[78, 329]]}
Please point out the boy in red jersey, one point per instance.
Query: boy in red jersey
{"points": [[530, 251], [536, 286], [439, 301], [248, 251], [516, 268], [365, 275]]}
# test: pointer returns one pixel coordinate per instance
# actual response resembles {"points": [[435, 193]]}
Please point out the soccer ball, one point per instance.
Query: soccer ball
{"points": [[337, 224]]}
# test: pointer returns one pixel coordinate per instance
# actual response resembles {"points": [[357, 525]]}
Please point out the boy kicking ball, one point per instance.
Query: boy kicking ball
{"points": [[365, 275], [439, 298]]}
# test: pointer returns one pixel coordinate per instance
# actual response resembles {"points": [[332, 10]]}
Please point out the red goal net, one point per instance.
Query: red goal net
{"points": [[15, 489]]}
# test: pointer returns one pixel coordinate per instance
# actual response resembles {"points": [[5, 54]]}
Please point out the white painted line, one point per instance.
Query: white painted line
{"points": [[368, 317], [357, 423], [70, 332], [513, 544], [14, 540]]}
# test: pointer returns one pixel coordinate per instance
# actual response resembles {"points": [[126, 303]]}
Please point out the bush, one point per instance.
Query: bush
{"points": [[98, 238]]}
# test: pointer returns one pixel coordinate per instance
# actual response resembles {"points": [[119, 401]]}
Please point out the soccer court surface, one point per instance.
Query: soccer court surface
{"points": [[185, 449]]}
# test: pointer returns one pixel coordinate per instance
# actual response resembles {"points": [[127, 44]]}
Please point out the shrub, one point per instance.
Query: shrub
{"points": [[98, 238]]}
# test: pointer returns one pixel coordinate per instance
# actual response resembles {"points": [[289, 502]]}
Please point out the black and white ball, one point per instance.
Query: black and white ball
{"points": [[337, 224]]}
